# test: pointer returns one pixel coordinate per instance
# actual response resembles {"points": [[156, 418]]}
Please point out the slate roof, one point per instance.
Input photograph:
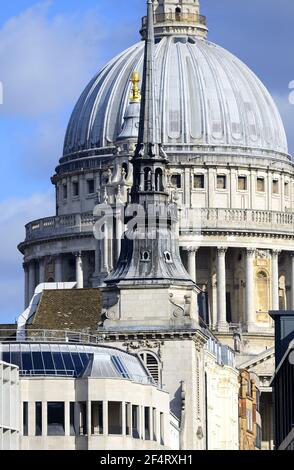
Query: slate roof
{"points": [[73, 309]]}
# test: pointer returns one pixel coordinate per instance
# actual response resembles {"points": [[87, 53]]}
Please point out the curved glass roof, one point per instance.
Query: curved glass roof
{"points": [[62, 360]]}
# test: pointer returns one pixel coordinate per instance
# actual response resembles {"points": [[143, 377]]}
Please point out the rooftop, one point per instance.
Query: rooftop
{"points": [[72, 309], [74, 360]]}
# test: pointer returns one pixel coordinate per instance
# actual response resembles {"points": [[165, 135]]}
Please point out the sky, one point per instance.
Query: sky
{"points": [[49, 51]]}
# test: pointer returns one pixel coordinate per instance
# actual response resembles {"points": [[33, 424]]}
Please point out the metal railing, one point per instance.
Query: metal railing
{"points": [[47, 373], [187, 18], [49, 336]]}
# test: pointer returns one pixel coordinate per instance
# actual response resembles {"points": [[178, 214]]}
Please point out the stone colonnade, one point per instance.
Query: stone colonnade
{"points": [[221, 269], [35, 273]]}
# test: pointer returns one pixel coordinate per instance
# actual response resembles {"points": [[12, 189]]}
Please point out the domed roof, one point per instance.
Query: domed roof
{"points": [[206, 96]]}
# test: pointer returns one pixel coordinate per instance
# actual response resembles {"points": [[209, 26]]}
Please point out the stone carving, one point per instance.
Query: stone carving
{"points": [[262, 254], [178, 311], [200, 434], [144, 344], [222, 250], [110, 310], [237, 341]]}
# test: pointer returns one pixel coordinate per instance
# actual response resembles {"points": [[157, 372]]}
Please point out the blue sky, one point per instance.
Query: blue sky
{"points": [[49, 50]]}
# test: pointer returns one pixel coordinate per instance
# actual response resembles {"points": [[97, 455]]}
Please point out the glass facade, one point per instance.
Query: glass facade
{"points": [[48, 363], [73, 360]]}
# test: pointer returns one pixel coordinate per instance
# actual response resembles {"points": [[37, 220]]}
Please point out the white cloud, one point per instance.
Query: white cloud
{"points": [[42, 148], [44, 61], [14, 214]]}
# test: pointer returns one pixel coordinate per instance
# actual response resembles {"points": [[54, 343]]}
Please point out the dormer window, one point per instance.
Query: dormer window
{"points": [[168, 257], [146, 256]]}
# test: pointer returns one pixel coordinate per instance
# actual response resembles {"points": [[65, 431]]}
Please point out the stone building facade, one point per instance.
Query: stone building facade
{"points": [[249, 412], [229, 172]]}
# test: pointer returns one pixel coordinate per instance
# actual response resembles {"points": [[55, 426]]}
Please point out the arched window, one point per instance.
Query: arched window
{"points": [[178, 13], [282, 292], [125, 170], [152, 364], [262, 287], [158, 180], [147, 179]]}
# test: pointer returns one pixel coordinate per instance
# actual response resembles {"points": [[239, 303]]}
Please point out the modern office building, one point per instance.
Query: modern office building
{"points": [[9, 406], [283, 381]]}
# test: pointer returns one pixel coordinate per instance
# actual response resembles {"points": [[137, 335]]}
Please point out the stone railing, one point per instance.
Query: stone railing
{"points": [[191, 220], [197, 220], [187, 18], [59, 225]]}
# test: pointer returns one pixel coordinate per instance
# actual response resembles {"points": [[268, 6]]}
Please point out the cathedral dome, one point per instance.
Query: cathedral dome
{"points": [[206, 97]]}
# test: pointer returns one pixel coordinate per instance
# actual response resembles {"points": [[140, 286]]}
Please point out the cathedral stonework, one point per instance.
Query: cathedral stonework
{"points": [[178, 124]]}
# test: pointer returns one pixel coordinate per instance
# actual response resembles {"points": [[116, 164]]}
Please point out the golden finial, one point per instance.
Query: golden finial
{"points": [[136, 95]]}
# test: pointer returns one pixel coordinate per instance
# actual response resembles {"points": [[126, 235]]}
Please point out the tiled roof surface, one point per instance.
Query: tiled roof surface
{"points": [[75, 309]]}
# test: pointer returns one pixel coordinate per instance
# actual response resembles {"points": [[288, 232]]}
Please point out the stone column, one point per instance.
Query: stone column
{"points": [[275, 279], [221, 290], [151, 423], [249, 292], [31, 419], [58, 268], [269, 179], [32, 280], [142, 422], [79, 270], [187, 189], [44, 419], [77, 418], [26, 285], [213, 302], [124, 419], [67, 418], [119, 230], [130, 419], [42, 266], [192, 262], [105, 418], [105, 244], [89, 419]]}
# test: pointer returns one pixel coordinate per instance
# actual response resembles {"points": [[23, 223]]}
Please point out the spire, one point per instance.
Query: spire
{"points": [[147, 127]]}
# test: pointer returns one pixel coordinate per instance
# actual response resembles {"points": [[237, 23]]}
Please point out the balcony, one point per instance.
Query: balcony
{"points": [[236, 220], [191, 221], [168, 18], [60, 226]]}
